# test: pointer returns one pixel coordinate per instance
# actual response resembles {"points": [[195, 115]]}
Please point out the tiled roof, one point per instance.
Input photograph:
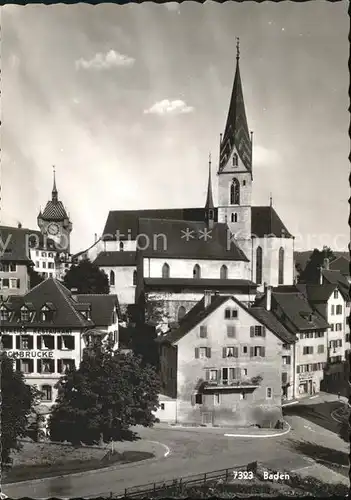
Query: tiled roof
{"points": [[195, 284], [320, 293], [297, 309], [341, 264], [116, 259], [54, 211], [199, 313], [265, 221], [167, 239], [102, 307], [51, 290], [20, 241], [336, 278]]}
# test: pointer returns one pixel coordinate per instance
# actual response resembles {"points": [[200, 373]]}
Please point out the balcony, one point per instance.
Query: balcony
{"points": [[240, 384]]}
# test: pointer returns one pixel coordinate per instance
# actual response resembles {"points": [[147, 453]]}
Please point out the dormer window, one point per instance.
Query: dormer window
{"points": [[25, 314], [121, 246], [46, 314], [235, 160], [4, 314]]}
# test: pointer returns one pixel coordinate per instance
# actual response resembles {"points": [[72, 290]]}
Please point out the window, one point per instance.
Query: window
{"points": [[37, 264], [46, 342], [339, 309], [234, 217], [244, 372], [235, 160], [37, 253], [112, 278], [281, 267], [216, 399], [5, 283], [121, 246], [259, 265], [230, 352], [44, 265], [212, 375], [51, 254], [243, 395], [134, 278], [269, 393], [230, 313], [235, 192], [347, 337], [336, 294], [162, 406], [64, 365], [287, 347], [65, 342], [202, 352], [318, 335], [308, 350], [25, 342], [13, 268], [203, 332], [4, 314], [165, 271], [46, 315], [197, 271], [13, 283], [224, 272], [47, 392], [332, 309], [27, 366], [286, 360], [338, 327], [43, 254], [234, 373], [259, 331], [181, 313], [320, 349], [198, 399], [230, 331], [244, 349], [7, 341], [51, 265], [332, 327], [257, 351], [47, 365]]}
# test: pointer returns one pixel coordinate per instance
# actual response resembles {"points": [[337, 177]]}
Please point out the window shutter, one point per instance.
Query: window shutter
{"points": [[18, 365], [263, 331], [236, 352], [18, 283], [251, 352], [30, 342], [196, 352], [284, 377], [39, 365], [298, 369], [193, 400], [207, 375], [59, 365], [208, 352], [224, 353], [18, 342], [59, 342], [263, 352], [39, 342], [252, 331]]}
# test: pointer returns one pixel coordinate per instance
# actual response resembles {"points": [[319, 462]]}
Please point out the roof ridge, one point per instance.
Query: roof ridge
{"points": [[69, 302]]}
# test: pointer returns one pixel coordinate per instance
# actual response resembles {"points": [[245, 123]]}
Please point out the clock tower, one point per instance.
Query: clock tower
{"points": [[54, 222]]}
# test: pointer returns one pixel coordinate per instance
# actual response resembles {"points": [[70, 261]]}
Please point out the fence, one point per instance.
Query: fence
{"points": [[146, 490]]}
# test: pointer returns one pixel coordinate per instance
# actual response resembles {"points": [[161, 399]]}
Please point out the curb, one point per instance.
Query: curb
{"points": [[261, 435], [95, 471]]}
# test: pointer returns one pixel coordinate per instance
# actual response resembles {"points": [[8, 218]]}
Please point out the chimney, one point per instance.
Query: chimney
{"points": [[207, 298], [326, 264], [19, 225], [268, 294], [95, 237]]}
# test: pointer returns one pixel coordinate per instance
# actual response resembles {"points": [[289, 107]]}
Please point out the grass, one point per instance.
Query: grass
{"points": [[40, 460]]}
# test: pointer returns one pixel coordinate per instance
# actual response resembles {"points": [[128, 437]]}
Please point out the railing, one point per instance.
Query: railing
{"points": [[146, 490]]}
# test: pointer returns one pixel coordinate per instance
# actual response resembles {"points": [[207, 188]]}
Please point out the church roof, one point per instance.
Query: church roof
{"points": [[116, 259], [191, 284], [341, 264], [236, 132], [266, 221]]}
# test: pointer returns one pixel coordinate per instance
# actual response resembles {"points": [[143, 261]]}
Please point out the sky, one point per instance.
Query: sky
{"points": [[128, 101]]}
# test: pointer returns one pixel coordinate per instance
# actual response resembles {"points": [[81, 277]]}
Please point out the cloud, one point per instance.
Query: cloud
{"points": [[100, 61], [172, 6], [265, 157], [167, 107]]}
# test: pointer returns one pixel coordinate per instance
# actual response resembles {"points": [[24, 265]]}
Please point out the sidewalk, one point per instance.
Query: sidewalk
{"points": [[321, 397], [237, 431]]}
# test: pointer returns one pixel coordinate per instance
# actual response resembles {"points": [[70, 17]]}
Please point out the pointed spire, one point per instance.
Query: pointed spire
{"points": [[209, 199], [54, 189], [236, 133], [270, 200]]}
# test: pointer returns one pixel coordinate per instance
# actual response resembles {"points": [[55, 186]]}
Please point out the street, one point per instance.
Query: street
{"points": [[197, 451]]}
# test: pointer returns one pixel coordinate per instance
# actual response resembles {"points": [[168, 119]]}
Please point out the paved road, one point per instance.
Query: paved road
{"points": [[191, 452]]}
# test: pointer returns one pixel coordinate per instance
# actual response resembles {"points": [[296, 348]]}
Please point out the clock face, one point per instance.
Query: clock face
{"points": [[53, 229]]}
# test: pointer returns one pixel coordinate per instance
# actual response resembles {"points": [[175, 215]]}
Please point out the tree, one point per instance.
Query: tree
{"points": [[17, 401], [311, 273], [107, 394], [34, 277], [86, 277]]}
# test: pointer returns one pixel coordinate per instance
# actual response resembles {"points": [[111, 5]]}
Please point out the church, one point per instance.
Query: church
{"points": [[174, 255]]}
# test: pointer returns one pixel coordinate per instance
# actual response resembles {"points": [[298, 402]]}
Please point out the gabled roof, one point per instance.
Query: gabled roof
{"points": [[18, 242], [336, 278], [102, 307], [320, 293], [116, 259], [198, 313], [265, 221], [341, 264]]}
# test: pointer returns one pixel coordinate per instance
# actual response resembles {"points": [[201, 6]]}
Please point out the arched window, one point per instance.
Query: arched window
{"points": [[224, 272], [112, 278], [47, 392], [134, 278], [165, 270], [235, 160], [121, 246], [234, 217], [181, 313], [281, 267], [259, 266], [235, 192], [197, 271]]}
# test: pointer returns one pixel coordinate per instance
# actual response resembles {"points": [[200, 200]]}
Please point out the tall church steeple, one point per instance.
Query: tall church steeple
{"points": [[236, 137], [209, 206], [54, 194]]}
